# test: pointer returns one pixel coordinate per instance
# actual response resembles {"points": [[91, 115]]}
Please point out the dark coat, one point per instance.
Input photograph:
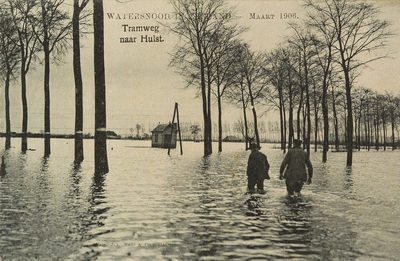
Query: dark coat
{"points": [[258, 165], [296, 161]]}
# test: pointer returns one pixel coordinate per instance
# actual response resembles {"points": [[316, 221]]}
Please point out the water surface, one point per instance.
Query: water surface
{"points": [[152, 206]]}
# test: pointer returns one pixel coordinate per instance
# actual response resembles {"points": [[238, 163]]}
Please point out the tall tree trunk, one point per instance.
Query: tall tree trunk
{"points": [[46, 99], [325, 108], [219, 121], [304, 126], [384, 128], [377, 130], [359, 132], [356, 134], [284, 130], [281, 123], [246, 129], [24, 139], [365, 133], [325, 116], [349, 120], [78, 85], [337, 141], [300, 102], [101, 161], [316, 132], [256, 125], [291, 127], [206, 118], [46, 50], [393, 138], [209, 125], [254, 115], [281, 118], [335, 117], [298, 116], [315, 118], [7, 104], [307, 139], [206, 137], [345, 128], [369, 130]]}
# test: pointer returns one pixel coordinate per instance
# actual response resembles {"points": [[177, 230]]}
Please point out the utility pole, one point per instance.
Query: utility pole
{"points": [[176, 112]]}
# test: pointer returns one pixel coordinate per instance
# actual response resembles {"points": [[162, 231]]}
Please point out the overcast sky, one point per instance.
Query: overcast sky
{"points": [[141, 88]]}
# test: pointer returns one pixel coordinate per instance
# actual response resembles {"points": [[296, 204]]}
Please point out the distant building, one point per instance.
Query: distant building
{"points": [[112, 135], [232, 138], [161, 136]]}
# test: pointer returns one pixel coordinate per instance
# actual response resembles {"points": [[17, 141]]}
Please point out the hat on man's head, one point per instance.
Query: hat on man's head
{"points": [[254, 145], [297, 141]]}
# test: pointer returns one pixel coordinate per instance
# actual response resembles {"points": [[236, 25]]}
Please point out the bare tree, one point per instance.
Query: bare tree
{"points": [[223, 66], [278, 78], [325, 38], [21, 14], [223, 78], [393, 107], [358, 32], [9, 59], [238, 95], [52, 30], [197, 23], [303, 41], [288, 86], [317, 100], [252, 67], [101, 161], [78, 8]]}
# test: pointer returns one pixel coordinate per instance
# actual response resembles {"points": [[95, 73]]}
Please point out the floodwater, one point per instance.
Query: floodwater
{"points": [[152, 206]]}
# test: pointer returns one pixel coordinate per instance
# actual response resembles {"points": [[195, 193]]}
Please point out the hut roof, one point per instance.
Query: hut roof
{"points": [[162, 127], [111, 133], [231, 138]]}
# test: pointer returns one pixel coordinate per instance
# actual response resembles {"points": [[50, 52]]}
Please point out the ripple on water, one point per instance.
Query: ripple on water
{"points": [[152, 206]]}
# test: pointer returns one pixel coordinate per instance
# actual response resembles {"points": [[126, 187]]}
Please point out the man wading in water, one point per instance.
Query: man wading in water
{"points": [[257, 169], [296, 161]]}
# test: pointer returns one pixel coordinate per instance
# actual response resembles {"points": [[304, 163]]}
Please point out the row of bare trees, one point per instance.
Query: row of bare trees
{"points": [[305, 77], [328, 51], [30, 28], [376, 119], [39, 32]]}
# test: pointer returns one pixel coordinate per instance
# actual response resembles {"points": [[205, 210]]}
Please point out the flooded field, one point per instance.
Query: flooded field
{"points": [[152, 206]]}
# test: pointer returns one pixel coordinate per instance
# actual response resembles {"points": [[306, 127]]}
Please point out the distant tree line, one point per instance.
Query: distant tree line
{"points": [[309, 79]]}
